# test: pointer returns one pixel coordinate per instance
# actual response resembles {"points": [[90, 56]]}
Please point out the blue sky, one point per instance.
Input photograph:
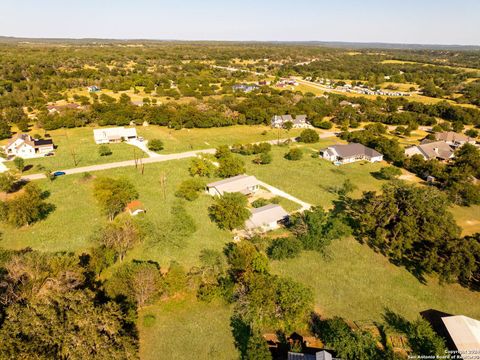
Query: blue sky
{"points": [[397, 21]]}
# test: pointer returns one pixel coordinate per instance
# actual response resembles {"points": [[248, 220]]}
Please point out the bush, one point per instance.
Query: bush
{"points": [[19, 163], [294, 154], [189, 189], [155, 145], [264, 158], [104, 150], [309, 136], [285, 248], [259, 203], [149, 320], [327, 125], [390, 172]]}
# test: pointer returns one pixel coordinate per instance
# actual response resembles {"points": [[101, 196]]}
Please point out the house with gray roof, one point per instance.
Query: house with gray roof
{"points": [[318, 355], [266, 218], [344, 154], [454, 139], [298, 122], [243, 184], [431, 150]]}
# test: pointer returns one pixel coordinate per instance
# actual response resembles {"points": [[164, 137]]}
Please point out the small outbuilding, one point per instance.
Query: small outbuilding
{"points": [[135, 207], [243, 184], [266, 218], [114, 135]]}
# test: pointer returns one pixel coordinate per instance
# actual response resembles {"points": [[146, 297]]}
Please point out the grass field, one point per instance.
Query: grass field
{"points": [[186, 329], [190, 139], [313, 180], [358, 284], [80, 142]]}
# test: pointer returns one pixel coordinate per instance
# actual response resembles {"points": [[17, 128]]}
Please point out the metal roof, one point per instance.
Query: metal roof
{"points": [[464, 331], [265, 215]]}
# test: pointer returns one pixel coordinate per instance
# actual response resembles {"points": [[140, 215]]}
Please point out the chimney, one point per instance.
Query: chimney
{"points": [[435, 149]]}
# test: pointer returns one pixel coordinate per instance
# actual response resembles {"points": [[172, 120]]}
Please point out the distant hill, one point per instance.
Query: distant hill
{"points": [[332, 44]]}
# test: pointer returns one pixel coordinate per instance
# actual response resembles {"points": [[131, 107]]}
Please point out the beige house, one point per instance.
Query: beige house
{"points": [[434, 150], [266, 218], [243, 184], [114, 135], [454, 139]]}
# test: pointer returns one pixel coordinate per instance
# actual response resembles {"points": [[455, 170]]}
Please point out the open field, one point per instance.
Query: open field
{"points": [[77, 216], [358, 284], [187, 329], [468, 218], [194, 139], [78, 142]]}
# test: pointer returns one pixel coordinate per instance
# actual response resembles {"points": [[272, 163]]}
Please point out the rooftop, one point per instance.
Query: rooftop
{"points": [[354, 149], [265, 215]]}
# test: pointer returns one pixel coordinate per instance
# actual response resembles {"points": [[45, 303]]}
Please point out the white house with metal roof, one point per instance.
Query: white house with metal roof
{"points": [[243, 184], [464, 332], [266, 218], [114, 135]]}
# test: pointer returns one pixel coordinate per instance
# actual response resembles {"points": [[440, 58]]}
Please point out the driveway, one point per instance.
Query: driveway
{"points": [[276, 191], [142, 145]]}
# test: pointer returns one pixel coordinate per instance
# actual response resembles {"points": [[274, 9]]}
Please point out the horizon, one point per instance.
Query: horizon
{"points": [[371, 22]]}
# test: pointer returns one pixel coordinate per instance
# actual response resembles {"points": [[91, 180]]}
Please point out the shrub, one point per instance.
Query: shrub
{"points": [[260, 202], [294, 154], [189, 189], [104, 150], [201, 167], [263, 159], [284, 248], [155, 145], [149, 320], [19, 163], [309, 136], [325, 125], [390, 172]]}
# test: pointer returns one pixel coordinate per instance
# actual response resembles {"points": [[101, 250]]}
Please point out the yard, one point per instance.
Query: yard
{"points": [[77, 145]]}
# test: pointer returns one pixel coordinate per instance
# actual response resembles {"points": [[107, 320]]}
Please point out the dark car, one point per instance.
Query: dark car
{"points": [[59, 173]]}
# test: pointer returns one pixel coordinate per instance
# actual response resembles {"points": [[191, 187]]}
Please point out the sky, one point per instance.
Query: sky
{"points": [[392, 21]]}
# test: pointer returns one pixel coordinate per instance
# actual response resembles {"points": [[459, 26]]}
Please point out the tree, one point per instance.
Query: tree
{"points": [[471, 133], [230, 166], [140, 283], [222, 151], [288, 125], [423, 339], [19, 163], [201, 167], [121, 235], [294, 154], [175, 279], [8, 180], [285, 248], [309, 136], [257, 347], [244, 259], [316, 229], [26, 208], [189, 189], [229, 211], [113, 195], [155, 145], [389, 172], [409, 224], [346, 188], [104, 150]]}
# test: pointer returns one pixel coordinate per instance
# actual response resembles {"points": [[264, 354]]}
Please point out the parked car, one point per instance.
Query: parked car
{"points": [[59, 173]]}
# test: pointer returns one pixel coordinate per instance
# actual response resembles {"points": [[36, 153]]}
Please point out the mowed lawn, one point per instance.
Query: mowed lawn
{"points": [[356, 283], [77, 145], [193, 139], [186, 329], [314, 180]]}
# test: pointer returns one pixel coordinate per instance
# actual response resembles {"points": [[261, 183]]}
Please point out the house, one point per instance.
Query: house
{"points": [[464, 332], [93, 88], [135, 207], [266, 218], [431, 150], [349, 153], [25, 146], [52, 109], [114, 135], [245, 87], [299, 122], [244, 184], [454, 139], [319, 355]]}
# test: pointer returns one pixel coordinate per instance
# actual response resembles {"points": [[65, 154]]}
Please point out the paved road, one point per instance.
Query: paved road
{"points": [[150, 160]]}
